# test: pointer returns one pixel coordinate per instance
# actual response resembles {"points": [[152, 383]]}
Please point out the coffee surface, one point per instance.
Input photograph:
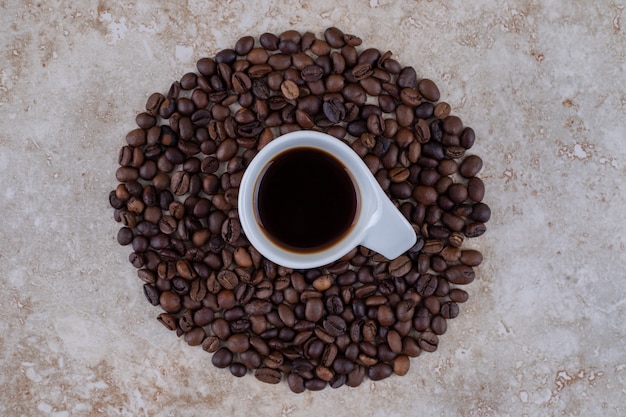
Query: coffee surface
{"points": [[306, 200]]}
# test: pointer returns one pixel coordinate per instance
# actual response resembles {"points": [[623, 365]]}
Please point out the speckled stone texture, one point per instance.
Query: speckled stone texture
{"points": [[543, 83]]}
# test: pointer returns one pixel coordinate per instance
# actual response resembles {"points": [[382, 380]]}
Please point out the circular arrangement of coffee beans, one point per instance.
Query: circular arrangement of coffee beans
{"points": [[363, 315]]}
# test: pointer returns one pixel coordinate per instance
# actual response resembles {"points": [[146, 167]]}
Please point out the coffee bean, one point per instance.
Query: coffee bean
{"points": [[167, 320], [401, 365], [438, 325], [394, 340], [405, 310], [334, 110], [480, 212], [152, 294], [375, 124], [222, 358], [269, 41], [180, 183], [237, 369], [410, 97], [312, 73], [136, 138], [457, 192], [428, 89], [400, 266], [460, 274], [320, 48], [426, 285], [195, 336], [167, 109], [471, 257], [125, 236], [356, 376], [340, 267], [468, 136], [314, 309], [227, 279], [470, 166], [279, 61], [221, 328], [387, 103], [334, 37], [324, 373], [475, 229], [428, 341], [408, 79], [389, 64], [449, 310], [125, 157], [453, 125], [231, 230], [203, 317], [322, 283], [362, 71], [153, 103], [476, 189], [315, 384], [456, 239], [354, 94], [180, 286], [185, 322], [226, 150], [385, 315], [424, 111], [370, 328], [244, 45], [335, 83], [268, 375], [126, 174], [206, 66], [238, 343], [335, 325], [369, 56], [258, 307], [170, 302], [148, 277], [425, 195], [379, 371], [422, 131], [290, 90], [442, 110], [384, 353], [296, 383]]}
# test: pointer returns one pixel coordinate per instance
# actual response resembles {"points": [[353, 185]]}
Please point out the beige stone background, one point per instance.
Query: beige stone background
{"points": [[543, 83]]}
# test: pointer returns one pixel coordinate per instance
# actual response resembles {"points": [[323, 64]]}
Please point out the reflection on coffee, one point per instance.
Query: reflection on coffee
{"points": [[306, 200]]}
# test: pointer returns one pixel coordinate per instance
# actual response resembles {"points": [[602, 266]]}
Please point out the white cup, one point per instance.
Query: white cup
{"points": [[379, 225]]}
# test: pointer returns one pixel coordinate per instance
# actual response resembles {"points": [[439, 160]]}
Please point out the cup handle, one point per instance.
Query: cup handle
{"points": [[390, 234]]}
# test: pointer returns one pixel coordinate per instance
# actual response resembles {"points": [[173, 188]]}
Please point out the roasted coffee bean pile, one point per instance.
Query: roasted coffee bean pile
{"points": [[363, 315]]}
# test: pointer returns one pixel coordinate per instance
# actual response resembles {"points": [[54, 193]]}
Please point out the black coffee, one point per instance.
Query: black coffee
{"points": [[306, 200]]}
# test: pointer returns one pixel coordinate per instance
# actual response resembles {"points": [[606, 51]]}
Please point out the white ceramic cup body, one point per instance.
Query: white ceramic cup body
{"points": [[379, 225]]}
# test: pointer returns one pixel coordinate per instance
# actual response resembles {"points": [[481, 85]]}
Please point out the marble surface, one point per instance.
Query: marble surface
{"points": [[543, 83]]}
